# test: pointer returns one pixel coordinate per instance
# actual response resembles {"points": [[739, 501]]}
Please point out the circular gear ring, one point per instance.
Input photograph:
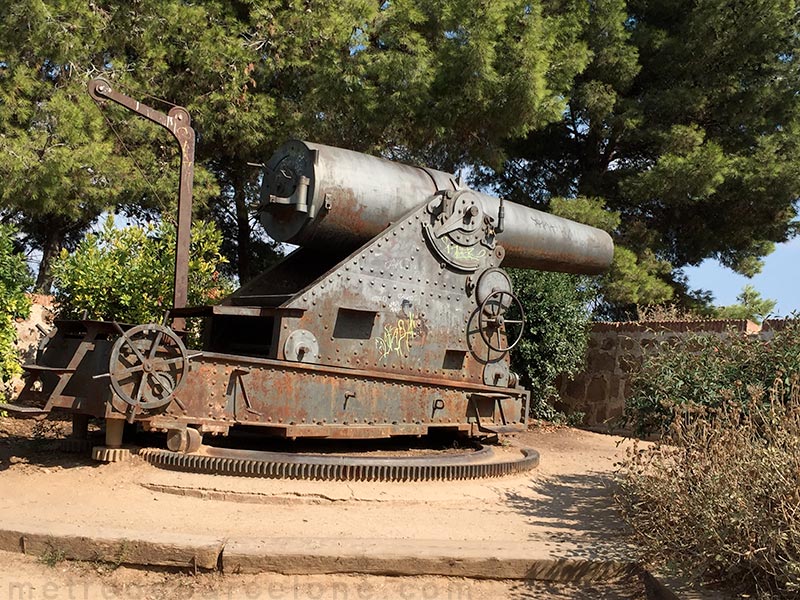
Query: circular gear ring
{"points": [[147, 366], [333, 467], [491, 319]]}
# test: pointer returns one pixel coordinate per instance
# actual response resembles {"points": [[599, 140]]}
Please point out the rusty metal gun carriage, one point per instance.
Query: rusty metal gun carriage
{"points": [[393, 316]]}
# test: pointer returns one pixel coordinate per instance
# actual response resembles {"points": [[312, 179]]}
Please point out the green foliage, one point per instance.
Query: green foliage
{"points": [[716, 499], [127, 274], [62, 165], [15, 280], [441, 83], [750, 306], [685, 124], [632, 279], [680, 117], [556, 333], [636, 279], [52, 556], [591, 211], [706, 371]]}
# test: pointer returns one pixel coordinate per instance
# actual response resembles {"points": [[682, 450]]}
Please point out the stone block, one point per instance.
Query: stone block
{"points": [[157, 548], [576, 388], [485, 560], [597, 390], [602, 362], [609, 342]]}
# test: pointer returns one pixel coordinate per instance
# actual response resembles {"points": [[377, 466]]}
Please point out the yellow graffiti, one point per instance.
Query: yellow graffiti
{"points": [[461, 252], [396, 339]]}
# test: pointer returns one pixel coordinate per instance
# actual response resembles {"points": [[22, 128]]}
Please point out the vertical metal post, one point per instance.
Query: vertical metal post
{"points": [[186, 138], [179, 124]]}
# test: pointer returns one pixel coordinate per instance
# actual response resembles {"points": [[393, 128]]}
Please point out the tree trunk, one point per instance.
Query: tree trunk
{"points": [[243, 251], [50, 249]]}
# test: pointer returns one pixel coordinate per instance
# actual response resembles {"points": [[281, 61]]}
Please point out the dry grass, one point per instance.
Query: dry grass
{"points": [[666, 312], [718, 498]]}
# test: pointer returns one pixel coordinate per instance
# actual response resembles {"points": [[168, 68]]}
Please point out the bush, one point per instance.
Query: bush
{"points": [[556, 333], [718, 498], [127, 274], [708, 371], [15, 279]]}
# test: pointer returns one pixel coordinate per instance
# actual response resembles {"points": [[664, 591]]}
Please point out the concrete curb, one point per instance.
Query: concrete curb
{"points": [[300, 556], [412, 557], [114, 546]]}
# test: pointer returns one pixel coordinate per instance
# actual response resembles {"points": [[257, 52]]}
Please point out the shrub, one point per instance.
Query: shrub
{"points": [[707, 371], [556, 333], [15, 279], [127, 274], [717, 499]]}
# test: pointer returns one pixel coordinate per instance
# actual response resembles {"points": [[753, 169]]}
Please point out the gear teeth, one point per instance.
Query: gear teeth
{"points": [[328, 468], [75, 446], [111, 455]]}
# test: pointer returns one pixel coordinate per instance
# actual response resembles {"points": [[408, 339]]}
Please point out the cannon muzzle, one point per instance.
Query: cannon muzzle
{"points": [[324, 197]]}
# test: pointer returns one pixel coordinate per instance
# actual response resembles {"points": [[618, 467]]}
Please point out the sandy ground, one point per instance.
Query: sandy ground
{"points": [[563, 508]]}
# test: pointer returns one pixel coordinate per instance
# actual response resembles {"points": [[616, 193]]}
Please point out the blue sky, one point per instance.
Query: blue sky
{"points": [[778, 280]]}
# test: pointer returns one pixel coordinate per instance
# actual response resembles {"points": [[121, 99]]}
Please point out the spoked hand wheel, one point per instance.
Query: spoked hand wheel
{"points": [[492, 320], [147, 366]]}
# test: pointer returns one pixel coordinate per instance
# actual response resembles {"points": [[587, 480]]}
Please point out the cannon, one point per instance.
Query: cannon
{"points": [[393, 316]]}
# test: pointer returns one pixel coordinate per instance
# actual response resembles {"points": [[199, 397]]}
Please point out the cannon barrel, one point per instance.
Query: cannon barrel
{"points": [[322, 197]]}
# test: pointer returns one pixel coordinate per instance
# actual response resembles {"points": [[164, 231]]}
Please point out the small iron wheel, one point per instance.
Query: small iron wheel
{"points": [[147, 366], [184, 440], [491, 319]]}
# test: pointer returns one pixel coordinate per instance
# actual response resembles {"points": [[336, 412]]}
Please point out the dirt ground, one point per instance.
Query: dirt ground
{"points": [[563, 508]]}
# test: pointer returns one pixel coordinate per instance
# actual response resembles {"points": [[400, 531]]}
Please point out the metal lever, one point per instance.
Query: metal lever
{"points": [[178, 123]]}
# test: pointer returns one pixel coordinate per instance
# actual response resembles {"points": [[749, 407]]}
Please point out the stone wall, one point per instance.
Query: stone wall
{"points": [[615, 352], [29, 335]]}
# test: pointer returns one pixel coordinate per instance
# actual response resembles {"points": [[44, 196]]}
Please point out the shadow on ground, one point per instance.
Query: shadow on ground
{"points": [[37, 444], [575, 515], [625, 589]]}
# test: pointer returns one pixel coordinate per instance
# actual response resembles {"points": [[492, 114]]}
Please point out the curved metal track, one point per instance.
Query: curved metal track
{"points": [[278, 465]]}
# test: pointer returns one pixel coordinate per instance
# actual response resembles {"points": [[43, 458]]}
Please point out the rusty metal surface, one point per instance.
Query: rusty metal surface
{"points": [[395, 319], [154, 360], [291, 399], [307, 400], [280, 465], [353, 197], [179, 124], [62, 377]]}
